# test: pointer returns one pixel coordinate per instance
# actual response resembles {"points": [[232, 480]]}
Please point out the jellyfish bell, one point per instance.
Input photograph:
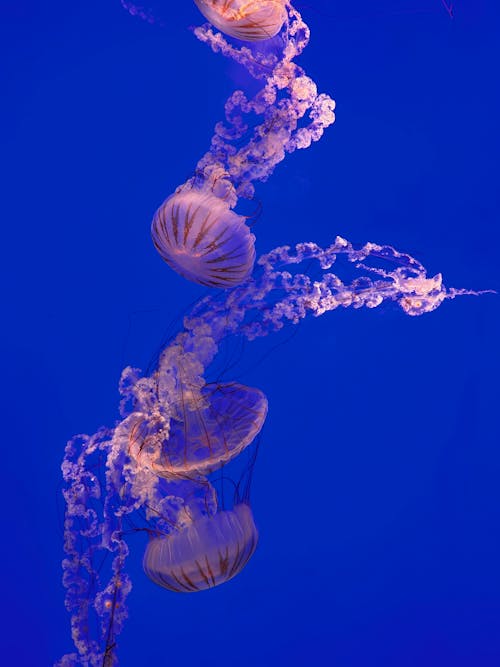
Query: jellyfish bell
{"points": [[199, 236], [196, 542], [216, 425], [211, 427], [208, 552], [214, 535], [248, 20]]}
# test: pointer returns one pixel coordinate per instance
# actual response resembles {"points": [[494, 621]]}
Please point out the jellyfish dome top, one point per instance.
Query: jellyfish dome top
{"points": [[208, 428], [200, 237], [208, 552], [196, 230], [176, 428], [248, 20], [153, 471]]}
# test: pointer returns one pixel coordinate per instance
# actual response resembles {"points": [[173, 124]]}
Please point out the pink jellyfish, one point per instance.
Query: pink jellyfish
{"points": [[199, 236], [175, 427], [164, 415], [249, 20], [208, 428], [196, 230], [209, 552]]}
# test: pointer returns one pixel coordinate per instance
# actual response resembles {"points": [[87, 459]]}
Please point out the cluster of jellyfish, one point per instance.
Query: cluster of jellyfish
{"points": [[154, 471]]}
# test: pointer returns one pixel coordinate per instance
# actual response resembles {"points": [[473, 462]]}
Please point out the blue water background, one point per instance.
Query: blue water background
{"points": [[376, 490]]}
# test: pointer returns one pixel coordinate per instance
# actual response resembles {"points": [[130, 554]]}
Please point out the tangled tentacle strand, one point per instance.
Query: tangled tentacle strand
{"points": [[98, 510], [287, 96]]}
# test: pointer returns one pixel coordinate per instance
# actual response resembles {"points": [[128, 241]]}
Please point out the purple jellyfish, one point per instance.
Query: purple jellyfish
{"points": [[209, 428], [140, 490], [248, 20], [150, 473], [199, 236], [196, 230], [212, 550]]}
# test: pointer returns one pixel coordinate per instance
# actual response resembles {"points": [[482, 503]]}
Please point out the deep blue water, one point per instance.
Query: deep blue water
{"points": [[376, 488]]}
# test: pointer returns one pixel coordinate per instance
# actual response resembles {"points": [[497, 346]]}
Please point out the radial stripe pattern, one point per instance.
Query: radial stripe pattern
{"points": [[210, 432], [248, 20], [201, 238], [207, 553]]}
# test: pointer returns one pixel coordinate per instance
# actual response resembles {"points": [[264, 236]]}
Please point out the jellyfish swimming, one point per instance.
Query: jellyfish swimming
{"points": [[248, 20], [172, 500], [153, 475], [213, 426], [211, 551], [196, 230], [201, 238]]}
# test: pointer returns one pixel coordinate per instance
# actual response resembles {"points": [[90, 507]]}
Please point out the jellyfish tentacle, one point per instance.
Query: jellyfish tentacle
{"points": [[286, 115], [279, 133], [150, 472], [174, 498], [199, 236]]}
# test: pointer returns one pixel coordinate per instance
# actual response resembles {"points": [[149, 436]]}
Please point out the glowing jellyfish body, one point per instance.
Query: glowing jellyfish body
{"points": [[199, 236], [176, 427], [213, 427], [209, 552], [199, 543], [248, 20], [196, 231]]}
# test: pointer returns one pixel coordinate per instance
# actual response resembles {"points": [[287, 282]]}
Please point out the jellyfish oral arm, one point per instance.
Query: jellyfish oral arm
{"points": [[278, 294], [150, 474], [287, 96], [194, 230], [134, 481]]}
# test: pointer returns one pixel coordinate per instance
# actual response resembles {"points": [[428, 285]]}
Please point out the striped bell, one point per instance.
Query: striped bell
{"points": [[248, 20], [200, 237], [209, 552]]}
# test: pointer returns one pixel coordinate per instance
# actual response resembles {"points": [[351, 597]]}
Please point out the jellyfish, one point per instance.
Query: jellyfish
{"points": [[161, 487], [249, 20], [257, 133], [211, 427], [196, 230], [153, 473], [211, 551], [201, 238]]}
